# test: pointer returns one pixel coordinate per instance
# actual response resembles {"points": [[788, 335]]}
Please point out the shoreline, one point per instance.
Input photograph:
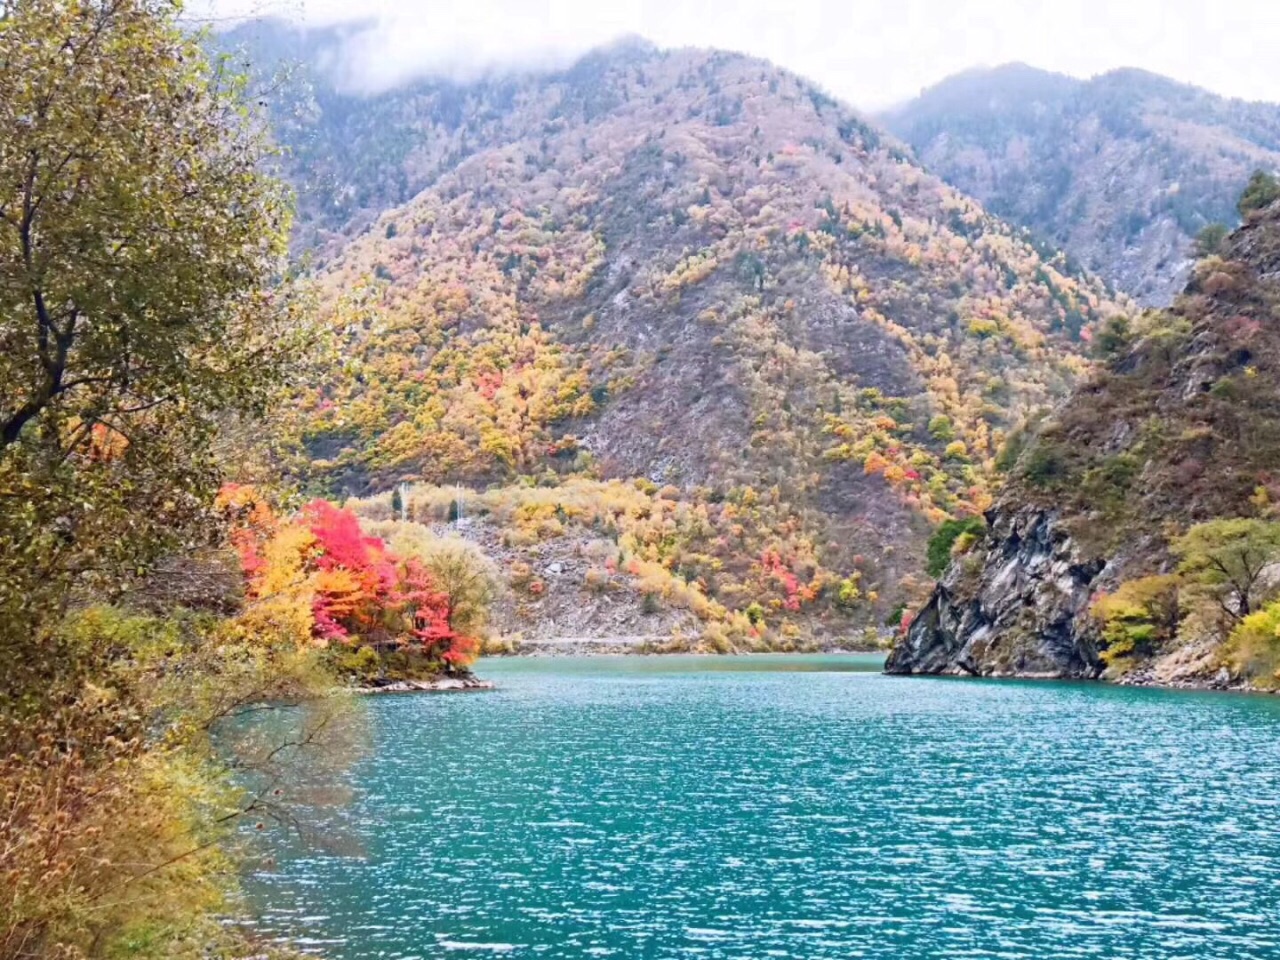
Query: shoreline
{"points": [[607, 648], [1212, 685], [468, 684]]}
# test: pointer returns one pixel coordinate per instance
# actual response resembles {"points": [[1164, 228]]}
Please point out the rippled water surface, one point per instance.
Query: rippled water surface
{"points": [[800, 808]]}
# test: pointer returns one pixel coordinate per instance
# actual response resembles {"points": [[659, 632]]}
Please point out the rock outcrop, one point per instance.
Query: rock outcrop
{"points": [[1015, 606], [1180, 426], [460, 683]]}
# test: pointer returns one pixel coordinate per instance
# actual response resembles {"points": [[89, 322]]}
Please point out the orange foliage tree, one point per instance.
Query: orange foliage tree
{"points": [[320, 576]]}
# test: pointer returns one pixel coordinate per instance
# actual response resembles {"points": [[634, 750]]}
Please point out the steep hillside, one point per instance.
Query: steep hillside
{"points": [[1138, 534], [697, 272], [1122, 170]]}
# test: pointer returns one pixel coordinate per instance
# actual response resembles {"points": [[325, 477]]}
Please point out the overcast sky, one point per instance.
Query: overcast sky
{"points": [[871, 53]]}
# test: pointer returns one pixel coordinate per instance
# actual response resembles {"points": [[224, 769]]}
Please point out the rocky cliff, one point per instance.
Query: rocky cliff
{"points": [[1016, 606], [1181, 426]]}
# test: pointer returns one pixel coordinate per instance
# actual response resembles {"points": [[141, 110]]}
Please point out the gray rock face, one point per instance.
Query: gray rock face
{"points": [[1015, 605]]}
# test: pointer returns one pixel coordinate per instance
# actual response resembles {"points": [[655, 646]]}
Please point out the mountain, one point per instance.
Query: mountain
{"points": [[1122, 171], [1137, 534], [688, 271]]}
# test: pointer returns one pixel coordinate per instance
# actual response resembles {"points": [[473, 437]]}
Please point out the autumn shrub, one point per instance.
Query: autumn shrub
{"points": [[501, 646], [120, 829], [380, 508], [520, 574], [848, 592], [1253, 649], [1138, 618], [318, 578]]}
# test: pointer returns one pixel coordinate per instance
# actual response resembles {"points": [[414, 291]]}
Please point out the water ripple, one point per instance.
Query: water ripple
{"points": [[637, 808]]}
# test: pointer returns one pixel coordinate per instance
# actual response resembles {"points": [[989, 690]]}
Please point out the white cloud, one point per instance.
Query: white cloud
{"points": [[868, 53]]}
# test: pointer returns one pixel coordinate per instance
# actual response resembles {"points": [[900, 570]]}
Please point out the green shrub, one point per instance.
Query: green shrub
{"points": [[1045, 466], [1209, 241], [1012, 449], [945, 538], [356, 663], [1262, 191], [941, 428], [1108, 483], [1113, 338]]}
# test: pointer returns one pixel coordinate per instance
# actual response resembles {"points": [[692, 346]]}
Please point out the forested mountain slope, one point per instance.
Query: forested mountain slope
{"points": [[1123, 171], [1139, 532], [691, 270]]}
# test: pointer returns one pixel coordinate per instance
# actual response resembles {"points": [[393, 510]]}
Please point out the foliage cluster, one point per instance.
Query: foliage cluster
{"points": [[1262, 190], [1224, 588], [952, 537], [1138, 618], [318, 579], [738, 562]]}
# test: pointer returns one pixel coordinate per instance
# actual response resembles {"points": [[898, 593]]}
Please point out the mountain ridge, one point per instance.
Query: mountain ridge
{"points": [[1123, 169]]}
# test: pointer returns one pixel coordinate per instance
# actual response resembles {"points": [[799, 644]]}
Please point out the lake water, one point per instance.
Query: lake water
{"points": [[800, 807]]}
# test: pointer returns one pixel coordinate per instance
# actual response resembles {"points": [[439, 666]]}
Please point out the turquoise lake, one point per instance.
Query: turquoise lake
{"points": [[799, 807]]}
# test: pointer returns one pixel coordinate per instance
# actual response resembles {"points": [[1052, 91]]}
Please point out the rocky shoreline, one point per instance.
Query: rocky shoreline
{"points": [[465, 684], [1221, 682], [616, 648]]}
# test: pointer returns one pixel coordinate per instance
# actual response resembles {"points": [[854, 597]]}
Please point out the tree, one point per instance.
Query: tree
{"points": [[1139, 616], [1209, 240], [1228, 558], [1253, 648], [140, 248], [141, 307], [460, 571], [1262, 190], [1113, 337]]}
